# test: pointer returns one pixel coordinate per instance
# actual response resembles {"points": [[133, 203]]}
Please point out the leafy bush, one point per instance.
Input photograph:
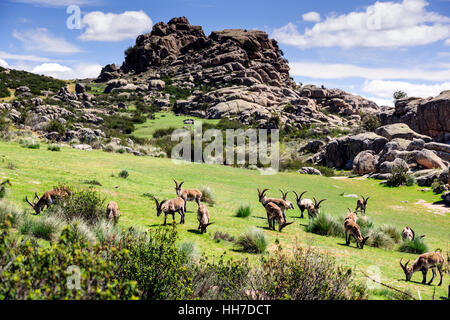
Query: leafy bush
{"points": [[417, 245], [29, 143], [399, 176], [326, 225], [54, 147], [243, 211], [252, 241], [208, 196], [55, 126], [86, 205], [399, 94], [307, 275], [163, 132], [124, 174], [370, 122], [4, 92]]}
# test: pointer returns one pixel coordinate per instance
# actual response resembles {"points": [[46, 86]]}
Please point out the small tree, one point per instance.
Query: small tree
{"points": [[399, 94]]}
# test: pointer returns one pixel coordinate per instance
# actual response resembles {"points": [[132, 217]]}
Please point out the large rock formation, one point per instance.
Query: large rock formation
{"points": [[430, 116], [230, 73]]}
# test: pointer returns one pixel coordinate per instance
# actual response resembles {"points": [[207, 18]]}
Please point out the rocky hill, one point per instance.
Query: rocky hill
{"points": [[230, 73]]}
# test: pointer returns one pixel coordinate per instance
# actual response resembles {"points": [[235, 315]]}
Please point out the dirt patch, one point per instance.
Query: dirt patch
{"points": [[398, 208], [436, 208]]}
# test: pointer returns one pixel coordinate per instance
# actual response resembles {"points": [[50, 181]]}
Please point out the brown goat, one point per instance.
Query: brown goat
{"points": [[361, 204], [352, 229], [187, 194], [48, 198], [203, 217], [171, 207], [112, 211], [424, 262], [282, 204], [302, 204], [274, 213], [314, 208]]}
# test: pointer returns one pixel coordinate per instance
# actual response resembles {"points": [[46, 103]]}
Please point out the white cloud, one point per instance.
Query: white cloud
{"points": [[40, 39], [80, 71], [382, 102], [113, 27], [311, 16], [383, 24], [3, 63], [447, 42], [22, 57], [57, 3], [341, 71], [385, 89]]}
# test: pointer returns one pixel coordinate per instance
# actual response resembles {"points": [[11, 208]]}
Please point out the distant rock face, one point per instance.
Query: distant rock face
{"points": [[178, 44], [430, 116]]}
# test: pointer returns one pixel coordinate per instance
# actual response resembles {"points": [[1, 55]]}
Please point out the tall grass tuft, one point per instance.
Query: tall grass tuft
{"points": [[44, 227], [107, 231], [54, 147], [392, 232], [189, 250], [9, 212], [243, 211], [124, 174], [208, 196], [81, 230], [417, 245], [326, 225], [252, 241], [29, 143], [380, 239], [365, 224]]}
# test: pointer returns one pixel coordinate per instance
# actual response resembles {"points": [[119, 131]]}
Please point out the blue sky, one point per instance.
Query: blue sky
{"points": [[365, 47]]}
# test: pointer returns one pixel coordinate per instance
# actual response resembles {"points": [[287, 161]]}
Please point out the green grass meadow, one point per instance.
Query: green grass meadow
{"points": [[38, 170]]}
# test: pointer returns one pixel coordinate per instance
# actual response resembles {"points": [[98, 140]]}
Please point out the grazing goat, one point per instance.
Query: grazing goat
{"points": [[361, 204], [351, 215], [409, 234], [352, 229], [302, 204], [274, 213], [424, 262], [170, 207], [314, 208], [48, 198], [187, 194], [203, 217], [283, 204], [112, 211]]}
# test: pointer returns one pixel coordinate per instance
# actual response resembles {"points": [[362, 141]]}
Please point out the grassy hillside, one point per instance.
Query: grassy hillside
{"points": [[40, 169], [164, 120]]}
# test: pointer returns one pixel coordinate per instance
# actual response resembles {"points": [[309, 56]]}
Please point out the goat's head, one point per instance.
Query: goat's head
{"points": [[261, 194], [159, 206], [299, 198], [283, 225], [178, 186], [363, 242], [406, 269], [317, 204], [365, 199], [35, 205]]}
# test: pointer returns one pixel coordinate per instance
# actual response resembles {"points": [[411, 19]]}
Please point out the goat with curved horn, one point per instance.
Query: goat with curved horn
{"points": [[430, 260], [187, 194], [281, 203]]}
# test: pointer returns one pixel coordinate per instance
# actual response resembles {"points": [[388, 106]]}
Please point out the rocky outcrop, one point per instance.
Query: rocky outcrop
{"points": [[399, 146], [430, 116]]}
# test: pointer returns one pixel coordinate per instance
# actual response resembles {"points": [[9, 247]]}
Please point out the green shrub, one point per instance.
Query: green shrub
{"points": [[252, 241], [326, 225], [55, 126], [92, 182], [4, 92], [392, 232], [9, 213], [189, 250], [417, 245], [208, 196], [399, 94], [365, 225], [370, 122], [306, 275], [379, 239], [86, 205], [243, 211], [29, 143], [43, 227], [124, 174], [54, 147], [106, 231], [399, 176], [163, 132]]}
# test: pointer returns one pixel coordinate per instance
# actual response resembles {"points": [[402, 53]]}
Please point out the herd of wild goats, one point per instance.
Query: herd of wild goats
{"points": [[275, 209]]}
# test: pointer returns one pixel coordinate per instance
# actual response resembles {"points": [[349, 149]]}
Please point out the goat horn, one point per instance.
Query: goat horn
{"points": [[181, 183], [284, 195], [321, 202], [176, 183], [26, 199], [296, 195], [259, 192], [264, 191]]}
